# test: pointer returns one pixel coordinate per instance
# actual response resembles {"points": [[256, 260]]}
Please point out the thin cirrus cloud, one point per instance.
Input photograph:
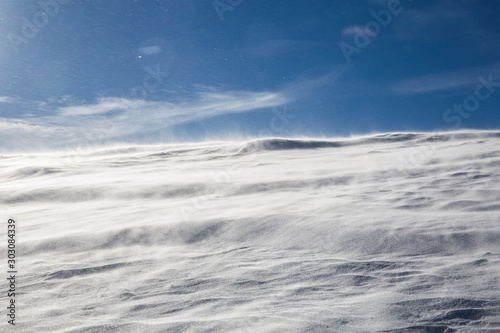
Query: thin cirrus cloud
{"points": [[5, 99], [275, 47], [445, 81], [427, 22], [149, 50], [356, 30], [111, 118], [207, 105]]}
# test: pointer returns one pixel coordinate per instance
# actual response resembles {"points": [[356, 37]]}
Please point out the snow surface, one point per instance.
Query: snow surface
{"points": [[394, 232]]}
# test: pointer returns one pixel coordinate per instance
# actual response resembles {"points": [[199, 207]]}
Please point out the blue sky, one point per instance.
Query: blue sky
{"points": [[94, 72]]}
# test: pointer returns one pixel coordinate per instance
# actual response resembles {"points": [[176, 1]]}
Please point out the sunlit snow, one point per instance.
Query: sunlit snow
{"points": [[396, 232]]}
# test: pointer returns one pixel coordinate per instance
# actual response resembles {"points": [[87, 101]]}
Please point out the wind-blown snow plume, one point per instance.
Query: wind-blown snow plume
{"points": [[346, 235]]}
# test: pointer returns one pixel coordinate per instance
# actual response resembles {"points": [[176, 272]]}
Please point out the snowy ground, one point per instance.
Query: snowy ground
{"points": [[397, 232]]}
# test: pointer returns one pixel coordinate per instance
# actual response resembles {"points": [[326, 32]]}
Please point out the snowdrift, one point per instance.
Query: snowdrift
{"points": [[395, 232]]}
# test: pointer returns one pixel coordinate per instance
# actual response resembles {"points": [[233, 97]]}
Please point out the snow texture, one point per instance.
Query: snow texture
{"points": [[394, 232]]}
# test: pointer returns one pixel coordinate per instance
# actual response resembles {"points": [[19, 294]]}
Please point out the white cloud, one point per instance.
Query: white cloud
{"points": [[444, 81], [75, 124], [102, 107], [149, 50], [354, 30], [5, 99], [208, 104]]}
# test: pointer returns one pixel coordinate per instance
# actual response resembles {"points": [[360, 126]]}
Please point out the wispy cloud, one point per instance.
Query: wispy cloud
{"points": [[110, 118], [5, 99], [444, 17], [275, 47], [208, 104], [103, 106], [444, 81], [356, 30]]}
